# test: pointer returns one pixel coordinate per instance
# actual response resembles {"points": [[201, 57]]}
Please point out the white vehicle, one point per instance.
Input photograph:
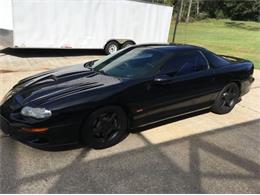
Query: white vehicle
{"points": [[89, 24]]}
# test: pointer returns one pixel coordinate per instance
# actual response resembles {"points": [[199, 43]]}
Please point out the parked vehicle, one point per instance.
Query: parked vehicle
{"points": [[88, 24], [98, 103]]}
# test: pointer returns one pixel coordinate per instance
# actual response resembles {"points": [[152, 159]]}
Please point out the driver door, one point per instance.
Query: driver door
{"points": [[185, 84]]}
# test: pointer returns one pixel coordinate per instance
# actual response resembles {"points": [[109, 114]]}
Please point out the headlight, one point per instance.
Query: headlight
{"points": [[39, 113]]}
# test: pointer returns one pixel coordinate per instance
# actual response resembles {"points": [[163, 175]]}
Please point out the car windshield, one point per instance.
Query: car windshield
{"points": [[130, 63]]}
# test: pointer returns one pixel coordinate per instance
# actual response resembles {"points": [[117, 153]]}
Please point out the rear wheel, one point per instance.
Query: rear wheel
{"points": [[105, 127], [227, 99], [112, 47]]}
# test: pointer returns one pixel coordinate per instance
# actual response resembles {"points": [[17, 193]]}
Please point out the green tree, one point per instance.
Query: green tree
{"points": [[243, 10], [233, 9]]}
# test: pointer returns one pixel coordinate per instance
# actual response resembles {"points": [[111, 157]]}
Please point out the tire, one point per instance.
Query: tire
{"points": [[127, 44], [227, 99], [112, 47], [105, 127]]}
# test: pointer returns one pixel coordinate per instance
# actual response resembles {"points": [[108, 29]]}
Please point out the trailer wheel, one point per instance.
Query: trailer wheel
{"points": [[128, 44], [112, 47]]}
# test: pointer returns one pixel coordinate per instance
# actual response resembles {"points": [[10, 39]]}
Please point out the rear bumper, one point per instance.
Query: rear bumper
{"points": [[246, 85], [56, 138]]}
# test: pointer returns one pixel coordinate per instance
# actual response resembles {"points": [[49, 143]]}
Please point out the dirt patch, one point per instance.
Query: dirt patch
{"points": [[6, 71], [21, 70]]}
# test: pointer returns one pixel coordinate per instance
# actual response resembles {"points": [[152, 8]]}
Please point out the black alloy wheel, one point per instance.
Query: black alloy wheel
{"points": [[227, 99], [105, 127]]}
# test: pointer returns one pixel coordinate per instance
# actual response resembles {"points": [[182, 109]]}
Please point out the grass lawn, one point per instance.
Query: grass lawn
{"points": [[234, 38]]}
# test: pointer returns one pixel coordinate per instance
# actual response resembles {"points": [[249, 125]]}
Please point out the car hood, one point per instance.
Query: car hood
{"points": [[58, 84]]}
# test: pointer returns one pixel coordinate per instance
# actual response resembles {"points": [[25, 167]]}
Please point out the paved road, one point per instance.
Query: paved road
{"points": [[206, 153]]}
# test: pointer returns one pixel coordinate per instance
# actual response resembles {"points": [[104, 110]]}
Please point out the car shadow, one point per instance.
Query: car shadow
{"points": [[8, 165], [212, 162], [31, 53]]}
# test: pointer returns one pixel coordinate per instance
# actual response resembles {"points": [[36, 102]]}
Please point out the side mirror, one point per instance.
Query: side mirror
{"points": [[162, 78], [92, 62], [89, 64]]}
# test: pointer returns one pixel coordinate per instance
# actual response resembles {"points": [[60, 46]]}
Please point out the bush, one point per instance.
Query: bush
{"points": [[202, 16], [192, 19], [220, 14]]}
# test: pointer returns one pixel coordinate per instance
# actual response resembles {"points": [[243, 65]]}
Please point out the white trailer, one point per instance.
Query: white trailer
{"points": [[89, 24]]}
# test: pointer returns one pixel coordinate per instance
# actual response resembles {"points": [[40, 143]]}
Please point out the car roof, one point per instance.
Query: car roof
{"points": [[170, 47]]}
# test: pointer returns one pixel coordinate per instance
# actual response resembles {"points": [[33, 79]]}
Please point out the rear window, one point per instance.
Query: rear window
{"points": [[216, 60]]}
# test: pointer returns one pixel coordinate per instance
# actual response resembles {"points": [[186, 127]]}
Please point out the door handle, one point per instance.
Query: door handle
{"points": [[148, 87]]}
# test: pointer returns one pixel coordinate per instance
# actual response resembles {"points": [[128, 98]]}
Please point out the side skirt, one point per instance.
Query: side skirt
{"points": [[172, 117]]}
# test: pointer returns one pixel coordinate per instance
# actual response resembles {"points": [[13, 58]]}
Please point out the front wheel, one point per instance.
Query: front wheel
{"points": [[105, 127], [227, 99]]}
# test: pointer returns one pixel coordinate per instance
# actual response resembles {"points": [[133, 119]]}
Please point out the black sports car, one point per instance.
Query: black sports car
{"points": [[98, 103]]}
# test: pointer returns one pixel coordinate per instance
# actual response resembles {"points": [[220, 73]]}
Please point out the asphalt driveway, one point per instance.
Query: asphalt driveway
{"points": [[204, 154]]}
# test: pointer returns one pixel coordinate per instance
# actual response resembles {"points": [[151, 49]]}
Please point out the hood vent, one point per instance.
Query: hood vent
{"points": [[42, 80]]}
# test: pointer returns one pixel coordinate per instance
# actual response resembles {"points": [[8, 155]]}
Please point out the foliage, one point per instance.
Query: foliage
{"points": [[202, 16], [233, 9], [220, 14], [243, 10]]}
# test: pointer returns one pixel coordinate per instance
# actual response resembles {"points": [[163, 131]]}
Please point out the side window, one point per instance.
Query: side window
{"points": [[215, 60], [172, 65], [195, 62], [185, 64], [201, 62]]}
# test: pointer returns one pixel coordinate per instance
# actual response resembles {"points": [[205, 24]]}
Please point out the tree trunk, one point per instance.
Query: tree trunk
{"points": [[180, 14], [188, 14], [198, 7]]}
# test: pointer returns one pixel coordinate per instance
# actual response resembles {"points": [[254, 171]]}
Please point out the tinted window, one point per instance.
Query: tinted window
{"points": [[195, 62], [215, 60], [185, 64], [136, 63], [172, 65]]}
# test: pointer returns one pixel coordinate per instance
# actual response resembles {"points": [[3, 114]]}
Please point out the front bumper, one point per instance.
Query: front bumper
{"points": [[56, 138]]}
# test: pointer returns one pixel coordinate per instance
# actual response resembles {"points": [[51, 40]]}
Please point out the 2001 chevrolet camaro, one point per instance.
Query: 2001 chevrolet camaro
{"points": [[98, 103]]}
